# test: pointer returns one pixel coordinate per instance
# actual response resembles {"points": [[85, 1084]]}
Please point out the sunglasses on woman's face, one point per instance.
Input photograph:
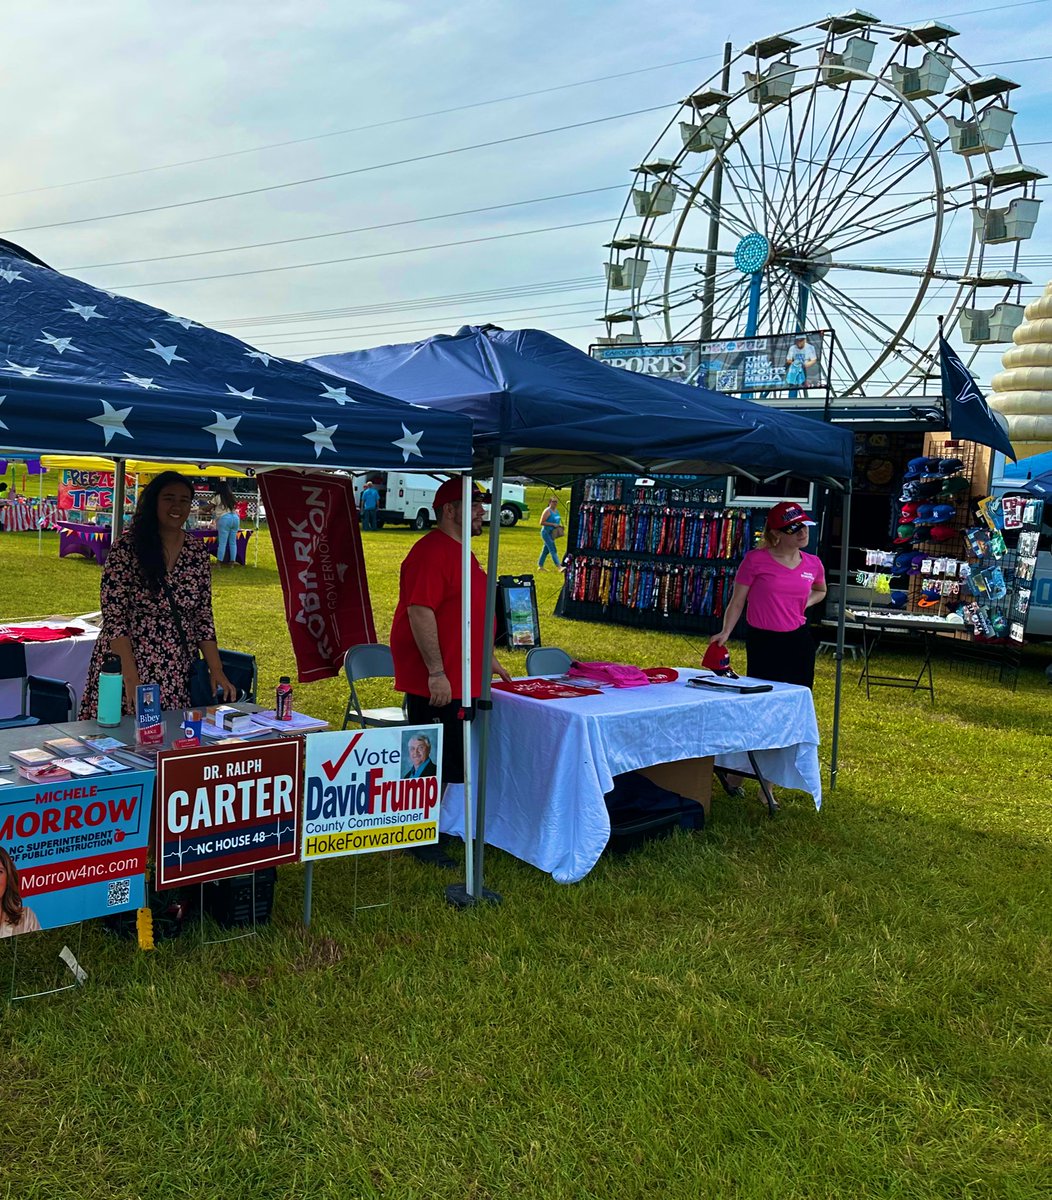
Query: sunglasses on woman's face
{"points": [[794, 528]]}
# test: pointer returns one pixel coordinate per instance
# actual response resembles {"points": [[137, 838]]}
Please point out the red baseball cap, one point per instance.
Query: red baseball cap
{"points": [[452, 491], [718, 659], [785, 514]]}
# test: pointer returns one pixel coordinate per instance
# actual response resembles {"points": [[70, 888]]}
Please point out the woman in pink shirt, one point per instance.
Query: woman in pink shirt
{"points": [[775, 585]]}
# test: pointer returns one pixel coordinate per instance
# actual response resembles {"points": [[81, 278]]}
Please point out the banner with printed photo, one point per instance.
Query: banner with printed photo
{"points": [[781, 362], [313, 520], [371, 789], [73, 850], [227, 809]]}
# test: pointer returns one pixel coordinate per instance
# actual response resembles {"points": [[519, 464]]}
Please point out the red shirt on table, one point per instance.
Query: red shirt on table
{"points": [[430, 578]]}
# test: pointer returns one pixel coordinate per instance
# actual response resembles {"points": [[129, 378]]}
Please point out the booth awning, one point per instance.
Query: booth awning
{"points": [[555, 411], [84, 371]]}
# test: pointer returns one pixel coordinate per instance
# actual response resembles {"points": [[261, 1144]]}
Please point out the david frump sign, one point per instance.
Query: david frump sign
{"points": [[77, 849], [370, 790], [227, 809]]}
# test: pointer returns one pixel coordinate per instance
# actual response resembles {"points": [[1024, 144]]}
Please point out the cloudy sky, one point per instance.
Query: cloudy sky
{"points": [[181, 153]]}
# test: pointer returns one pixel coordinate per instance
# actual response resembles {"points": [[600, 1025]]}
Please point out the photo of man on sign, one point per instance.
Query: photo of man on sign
{"points": [[417, 753]]}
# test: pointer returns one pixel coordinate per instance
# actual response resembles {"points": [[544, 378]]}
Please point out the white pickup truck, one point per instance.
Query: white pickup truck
{"points": [[406, 498]]}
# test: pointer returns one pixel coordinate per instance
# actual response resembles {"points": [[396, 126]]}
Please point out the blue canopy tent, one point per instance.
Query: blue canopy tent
{"points": [[545, 409], [84, 371], [552, 411]]}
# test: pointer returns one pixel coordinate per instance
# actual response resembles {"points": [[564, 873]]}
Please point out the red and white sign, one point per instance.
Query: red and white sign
{"points": [[314, 522], [227, 809]]}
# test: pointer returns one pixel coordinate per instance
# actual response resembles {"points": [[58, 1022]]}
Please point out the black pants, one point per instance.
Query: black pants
{"points": [[781, 657], [421, 712]]}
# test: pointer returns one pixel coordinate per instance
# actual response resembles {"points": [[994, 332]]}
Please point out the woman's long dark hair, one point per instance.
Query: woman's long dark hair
{"points": [[144, 529], [11, 905], [226, 495]]}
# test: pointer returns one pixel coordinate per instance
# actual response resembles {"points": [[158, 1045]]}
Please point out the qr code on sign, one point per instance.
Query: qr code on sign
{"points": [[119, 893]]}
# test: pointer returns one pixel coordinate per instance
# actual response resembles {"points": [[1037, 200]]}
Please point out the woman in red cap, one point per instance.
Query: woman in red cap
{"points": [[775, 585]]}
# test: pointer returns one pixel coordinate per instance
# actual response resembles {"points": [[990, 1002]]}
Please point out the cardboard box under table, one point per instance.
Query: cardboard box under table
{"points": [[551, 762]]}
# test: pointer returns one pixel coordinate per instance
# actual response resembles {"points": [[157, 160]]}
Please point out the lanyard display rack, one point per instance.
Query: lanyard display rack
{"points": [[654, 554]]}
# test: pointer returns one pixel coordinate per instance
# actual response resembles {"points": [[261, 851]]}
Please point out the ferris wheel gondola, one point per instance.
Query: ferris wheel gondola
{"points": [[847, 174]]}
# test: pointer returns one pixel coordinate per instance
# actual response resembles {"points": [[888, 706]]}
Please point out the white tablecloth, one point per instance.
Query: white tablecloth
{"points": [[65, 658], [552, 761]]}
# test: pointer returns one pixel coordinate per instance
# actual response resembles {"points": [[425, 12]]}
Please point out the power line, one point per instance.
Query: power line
{"points": [[313, 237], [316, 137], [189, 162], [497, 237], [399, 162]]}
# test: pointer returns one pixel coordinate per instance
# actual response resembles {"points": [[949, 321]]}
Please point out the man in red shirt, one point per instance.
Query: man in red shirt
{"points": [[426, 633]]}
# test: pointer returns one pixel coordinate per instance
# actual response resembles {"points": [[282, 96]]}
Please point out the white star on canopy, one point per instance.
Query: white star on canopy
{"points": [[247, 394], [184, 321], [85, 311], [409, 443], [142, 381], [321, 437], [263, 358], [25, 372], [111, 420], [11, 276], [168, 353], [337, 394], [223, 429], [60, 344]]}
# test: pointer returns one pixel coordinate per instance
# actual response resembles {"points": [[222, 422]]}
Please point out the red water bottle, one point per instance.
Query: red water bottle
{"points": [[283, 699]]}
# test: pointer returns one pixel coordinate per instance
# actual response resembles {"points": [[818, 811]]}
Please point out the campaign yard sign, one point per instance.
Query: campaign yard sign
{"points": [[227, 809], [76, 849], [371, 789]]}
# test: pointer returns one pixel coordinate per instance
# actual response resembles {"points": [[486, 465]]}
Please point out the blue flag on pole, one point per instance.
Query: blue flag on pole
{"points": [[971, 417]]}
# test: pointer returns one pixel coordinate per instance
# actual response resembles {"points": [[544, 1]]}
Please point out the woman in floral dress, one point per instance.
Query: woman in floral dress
{"points": [[137, 620]]}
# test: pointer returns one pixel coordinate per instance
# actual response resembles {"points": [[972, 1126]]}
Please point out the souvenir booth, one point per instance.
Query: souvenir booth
{"points": [[544, 409]]}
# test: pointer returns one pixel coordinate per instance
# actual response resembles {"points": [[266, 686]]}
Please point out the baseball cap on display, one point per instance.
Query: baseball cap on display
{"points": [[944, 512], [955, 485], [947, 466], [718, 659], [905, 534], [908, 511], [898, 599], [785, 514], [925, 514], [941, 533], [451, 492], [903, 562], [915, 564], [930, 598]]}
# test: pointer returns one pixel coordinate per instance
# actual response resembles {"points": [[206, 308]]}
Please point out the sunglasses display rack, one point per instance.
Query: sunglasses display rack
{"points": [[659, 554]]}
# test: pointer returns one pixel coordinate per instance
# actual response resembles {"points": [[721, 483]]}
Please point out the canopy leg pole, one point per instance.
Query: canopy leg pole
{"points": [[117, 523], [255, 562], [841, 619], [473, 892], [40, 514], [486, 700]]}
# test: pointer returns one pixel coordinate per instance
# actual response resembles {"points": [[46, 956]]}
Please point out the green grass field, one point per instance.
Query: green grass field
{"points": [[847, 1004]]}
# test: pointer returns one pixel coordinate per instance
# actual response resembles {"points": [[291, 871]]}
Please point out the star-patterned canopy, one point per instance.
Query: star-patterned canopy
{"points": [[84, 371]]}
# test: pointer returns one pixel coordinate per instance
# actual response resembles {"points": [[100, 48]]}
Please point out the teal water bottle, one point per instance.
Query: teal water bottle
{"points": [[111, 691]]}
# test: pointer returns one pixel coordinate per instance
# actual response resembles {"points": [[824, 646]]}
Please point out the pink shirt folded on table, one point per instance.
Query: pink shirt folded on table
{"points": [[778, 594], [618, 675]]}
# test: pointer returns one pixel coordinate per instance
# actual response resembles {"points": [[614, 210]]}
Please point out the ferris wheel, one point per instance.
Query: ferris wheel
{"points": [[846, 175]]}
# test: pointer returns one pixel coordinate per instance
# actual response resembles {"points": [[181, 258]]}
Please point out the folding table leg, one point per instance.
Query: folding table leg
{"points": [[765, 787]]}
